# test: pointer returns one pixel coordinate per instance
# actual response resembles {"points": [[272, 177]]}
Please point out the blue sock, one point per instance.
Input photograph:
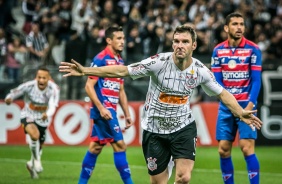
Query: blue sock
{"points": [[122, 167], [227, 170], [253, 168], [88, 165]]}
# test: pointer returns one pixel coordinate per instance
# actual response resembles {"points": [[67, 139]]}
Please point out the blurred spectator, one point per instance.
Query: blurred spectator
{"points": [[6, 17], [82, 16], [37, 45], [15, 59], [134, 46], [168, 41], [108, 11], [50, 24], [3, 53], [31, 9], [154, 20], [65, 16], [75, 49], [96, 43]]}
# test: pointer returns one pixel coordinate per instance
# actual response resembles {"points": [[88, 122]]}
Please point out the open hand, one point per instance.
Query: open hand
{"points": [[71, 69], [249, 118]]}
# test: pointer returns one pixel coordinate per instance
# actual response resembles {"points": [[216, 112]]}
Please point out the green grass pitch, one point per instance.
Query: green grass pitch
{"points": [[62, 166]]}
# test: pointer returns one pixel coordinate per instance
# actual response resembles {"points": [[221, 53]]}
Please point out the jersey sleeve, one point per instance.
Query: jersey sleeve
{"points": [[146, 67], [216, 67], [53, 101], [256, 68], [209, 83], [96, 62], [18, 91]]}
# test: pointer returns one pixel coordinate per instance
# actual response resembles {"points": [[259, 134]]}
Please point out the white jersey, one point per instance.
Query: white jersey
{"points": [[167, 107], [37, 101]]}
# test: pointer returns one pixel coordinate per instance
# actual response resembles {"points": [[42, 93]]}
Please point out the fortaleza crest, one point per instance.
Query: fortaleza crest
{"points": [[116, 128], [152, 164]]}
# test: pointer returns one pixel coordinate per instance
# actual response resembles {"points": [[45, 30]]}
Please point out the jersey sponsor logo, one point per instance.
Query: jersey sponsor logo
{"points": [[179, 93], [110, 61], [155, 56], [216, 60], [163, 59], [235, 75], [150, 63], [111, 84], [172, 99], [243, 52], [253, 59], [232, 64], [224, 52], [38, 107], [152, 165], [235, 90], [197, 64], [168, 123]]}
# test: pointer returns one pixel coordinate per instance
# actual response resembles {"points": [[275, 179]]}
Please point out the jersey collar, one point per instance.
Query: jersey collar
{"points": [[241, 44]]}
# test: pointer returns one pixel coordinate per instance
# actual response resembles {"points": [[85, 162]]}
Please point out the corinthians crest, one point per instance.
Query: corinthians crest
{"points": [[190, 80], [152, 164]]}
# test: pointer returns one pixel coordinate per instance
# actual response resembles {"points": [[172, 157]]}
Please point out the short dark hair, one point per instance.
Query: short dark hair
{"points": [[44, 68], [109, 32], [186, 28], [231, 15]]}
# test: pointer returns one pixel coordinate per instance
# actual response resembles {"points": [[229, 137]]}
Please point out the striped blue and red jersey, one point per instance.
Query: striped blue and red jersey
{"points": [[107, 89], [238, 70]]}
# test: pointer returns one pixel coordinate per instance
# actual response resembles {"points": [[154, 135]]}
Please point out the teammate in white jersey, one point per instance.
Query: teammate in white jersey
{"points": [[41, 97], [167, 120]]}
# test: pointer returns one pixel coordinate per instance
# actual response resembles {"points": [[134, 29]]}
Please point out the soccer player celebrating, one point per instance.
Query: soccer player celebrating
{"points": [[236, 64], [105, 94], [41, 97], [167, 120]]}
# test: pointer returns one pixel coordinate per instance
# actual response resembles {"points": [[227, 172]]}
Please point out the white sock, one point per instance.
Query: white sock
{"points": [[34, 148], [170, 167], [40, 154]]}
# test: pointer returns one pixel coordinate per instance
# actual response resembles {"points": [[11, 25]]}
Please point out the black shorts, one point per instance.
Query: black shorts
{"points": [[41, 129], [158, 148]]}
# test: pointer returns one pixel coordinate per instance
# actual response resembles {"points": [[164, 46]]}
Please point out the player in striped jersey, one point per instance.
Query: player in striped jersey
{"points": [[167, 120], [236, 64], [105, 94], [41, 97]]}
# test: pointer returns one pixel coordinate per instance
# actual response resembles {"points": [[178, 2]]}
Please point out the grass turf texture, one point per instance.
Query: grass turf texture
{"points": [[62, 166]]}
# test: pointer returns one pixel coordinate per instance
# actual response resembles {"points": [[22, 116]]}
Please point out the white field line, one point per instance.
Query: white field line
{"points": [[131, 166]]}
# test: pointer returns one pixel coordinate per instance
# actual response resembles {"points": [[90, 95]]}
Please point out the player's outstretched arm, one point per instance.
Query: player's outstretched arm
{"points": [[71, 69], [245, 115], [76, 69]]}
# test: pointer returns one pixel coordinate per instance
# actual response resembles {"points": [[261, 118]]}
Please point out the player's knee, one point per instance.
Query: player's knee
{"points": [[183, 178], [34, 136], [119, 146], [247, 150], [224, 152], [95, 150]]}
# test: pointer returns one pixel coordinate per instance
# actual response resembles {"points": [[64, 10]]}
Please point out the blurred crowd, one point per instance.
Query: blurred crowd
{"points": [[58, 30]]}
